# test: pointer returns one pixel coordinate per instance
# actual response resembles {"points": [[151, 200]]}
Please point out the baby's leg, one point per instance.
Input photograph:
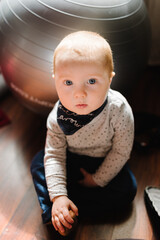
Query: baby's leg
{"points": [[38, 175], [117, 194], [121, 191]]}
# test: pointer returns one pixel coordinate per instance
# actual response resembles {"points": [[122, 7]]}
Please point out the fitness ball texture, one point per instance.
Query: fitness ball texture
{"points": [[31, 29]]}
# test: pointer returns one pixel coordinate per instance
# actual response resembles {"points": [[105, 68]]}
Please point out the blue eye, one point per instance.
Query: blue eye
{"points": [[92, 81], [68, 82]]}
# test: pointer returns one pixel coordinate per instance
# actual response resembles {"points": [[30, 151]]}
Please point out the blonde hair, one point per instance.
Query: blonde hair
{"points": [[84, 46]]}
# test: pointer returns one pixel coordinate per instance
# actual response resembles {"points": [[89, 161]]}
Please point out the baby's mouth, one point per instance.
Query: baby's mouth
{"points": [[81, 105]]}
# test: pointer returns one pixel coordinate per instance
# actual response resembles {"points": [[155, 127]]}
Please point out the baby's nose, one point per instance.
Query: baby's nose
{"points": [[80, 92]]}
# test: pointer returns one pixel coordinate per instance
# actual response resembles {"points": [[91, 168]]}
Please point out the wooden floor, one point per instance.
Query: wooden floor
{"points": [[20, 214]]}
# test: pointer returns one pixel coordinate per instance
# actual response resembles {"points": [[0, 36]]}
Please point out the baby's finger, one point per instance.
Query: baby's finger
{"points": [[74, 208], [64, 222], [54, 225], [59, 225], [67, 216], [83, 171]]}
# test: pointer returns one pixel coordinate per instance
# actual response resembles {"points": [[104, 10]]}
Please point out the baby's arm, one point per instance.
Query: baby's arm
{"points": [[122, 142], [55, 172]]}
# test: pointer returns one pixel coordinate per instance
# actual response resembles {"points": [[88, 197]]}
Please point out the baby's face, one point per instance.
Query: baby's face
{"points": [[82, 87]]}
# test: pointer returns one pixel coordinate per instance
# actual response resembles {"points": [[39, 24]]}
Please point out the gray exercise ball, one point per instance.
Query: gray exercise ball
{"points": [[31, 29]]}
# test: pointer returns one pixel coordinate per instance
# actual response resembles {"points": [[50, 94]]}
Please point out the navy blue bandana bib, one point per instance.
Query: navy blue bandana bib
{"points": [[71, 122]]}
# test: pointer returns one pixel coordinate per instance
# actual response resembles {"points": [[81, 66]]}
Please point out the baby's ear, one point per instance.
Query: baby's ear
{"points": [[112, 75]]}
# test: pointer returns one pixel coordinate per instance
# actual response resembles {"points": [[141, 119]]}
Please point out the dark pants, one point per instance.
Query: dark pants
{"points": [[117, 194]]}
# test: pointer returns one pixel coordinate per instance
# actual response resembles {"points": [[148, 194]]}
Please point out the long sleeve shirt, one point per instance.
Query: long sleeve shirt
{"points": [[109, 135]]}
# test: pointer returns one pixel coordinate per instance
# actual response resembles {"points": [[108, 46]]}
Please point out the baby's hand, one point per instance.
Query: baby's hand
{"points": [[87, 180], [67, 230], [61, 217]]}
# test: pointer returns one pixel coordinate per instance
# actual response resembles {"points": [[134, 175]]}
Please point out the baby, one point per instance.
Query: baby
{"points": [[89, 138]]}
